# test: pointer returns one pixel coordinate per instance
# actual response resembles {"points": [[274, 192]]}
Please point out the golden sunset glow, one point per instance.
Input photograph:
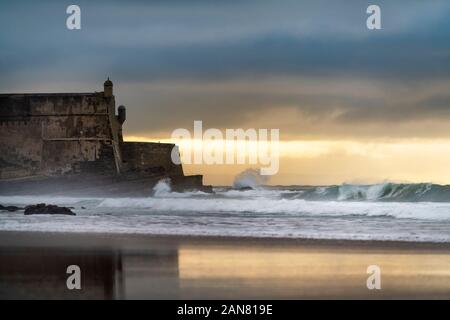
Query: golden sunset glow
{"points": [[337, 272], [338, 161]]}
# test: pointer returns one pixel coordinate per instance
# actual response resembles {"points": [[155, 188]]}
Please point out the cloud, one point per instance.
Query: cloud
{"points": [[320, 107], [310, 68]]}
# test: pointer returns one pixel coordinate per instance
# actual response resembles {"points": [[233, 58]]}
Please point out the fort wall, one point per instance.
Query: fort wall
{"points": [[21, 146], [50, 134], [56, 134], [142, 155]]}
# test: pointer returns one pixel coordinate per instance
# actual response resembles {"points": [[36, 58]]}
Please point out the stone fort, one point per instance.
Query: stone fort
{"points": [[50, 135]]}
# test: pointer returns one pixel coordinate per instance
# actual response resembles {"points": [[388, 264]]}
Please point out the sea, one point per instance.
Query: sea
{"points": [[385, 211]]}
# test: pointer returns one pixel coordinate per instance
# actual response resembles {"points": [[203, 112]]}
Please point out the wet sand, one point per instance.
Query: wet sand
{"points": [[117, 266]]}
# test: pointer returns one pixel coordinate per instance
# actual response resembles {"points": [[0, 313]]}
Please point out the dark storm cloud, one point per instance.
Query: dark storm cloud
{"points": [[157, 44], [378, 111], [390, 57]]}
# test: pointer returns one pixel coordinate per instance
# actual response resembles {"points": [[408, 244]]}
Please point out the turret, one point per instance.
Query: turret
{"points": [[122, 114], [108, 88]]}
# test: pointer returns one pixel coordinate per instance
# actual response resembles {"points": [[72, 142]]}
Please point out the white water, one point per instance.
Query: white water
{"points": [[257, 213]]}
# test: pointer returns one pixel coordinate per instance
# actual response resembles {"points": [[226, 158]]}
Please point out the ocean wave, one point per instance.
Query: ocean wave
{"points": [[388, 191], [399, 201], [429, 211], [337, 212]]}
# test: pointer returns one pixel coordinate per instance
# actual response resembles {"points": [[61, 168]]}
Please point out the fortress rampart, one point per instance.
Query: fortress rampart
{"points": [[60, 134]]}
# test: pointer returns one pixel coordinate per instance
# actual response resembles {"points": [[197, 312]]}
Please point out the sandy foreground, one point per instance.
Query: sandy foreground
{"points": [[33, 265]]}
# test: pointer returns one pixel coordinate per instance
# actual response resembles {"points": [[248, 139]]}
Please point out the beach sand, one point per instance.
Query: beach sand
{"points": [[121, 266]]}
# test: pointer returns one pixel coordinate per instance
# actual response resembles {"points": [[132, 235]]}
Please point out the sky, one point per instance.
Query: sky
{"points": [[352, 105]]}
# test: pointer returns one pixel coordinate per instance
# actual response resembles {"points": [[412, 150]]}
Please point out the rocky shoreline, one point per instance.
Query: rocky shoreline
{"points": [[40, 208]]}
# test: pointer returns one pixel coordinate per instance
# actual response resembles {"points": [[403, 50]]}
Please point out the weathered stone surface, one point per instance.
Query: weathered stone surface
{"points": [[79, 135], [50, 133], [43, 208], [144, 155]]}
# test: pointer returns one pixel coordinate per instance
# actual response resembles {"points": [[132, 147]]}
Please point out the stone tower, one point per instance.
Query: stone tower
{"points": [[108, 88], [122, 114]]}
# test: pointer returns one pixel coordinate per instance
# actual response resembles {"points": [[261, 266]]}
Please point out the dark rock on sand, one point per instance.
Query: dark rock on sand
{"points": [[42, 208], [9, 208]]}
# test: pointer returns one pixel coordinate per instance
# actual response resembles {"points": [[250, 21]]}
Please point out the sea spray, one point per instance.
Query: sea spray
{"points": [[261, 212], [162, 188], [250, 178]]}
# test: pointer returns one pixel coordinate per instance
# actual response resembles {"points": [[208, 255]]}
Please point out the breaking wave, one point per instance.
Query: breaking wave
{"points": [[395, 192], [162, 188], [250, 178], [283, 207], [388, 211]]}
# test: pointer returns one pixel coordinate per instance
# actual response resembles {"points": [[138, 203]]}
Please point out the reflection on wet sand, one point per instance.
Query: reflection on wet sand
{"points": [[27, 273], [293, 273], [105, 274], [33, 266]]}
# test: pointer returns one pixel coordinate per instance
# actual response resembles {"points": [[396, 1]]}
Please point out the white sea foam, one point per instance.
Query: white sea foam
{"points": [[162, 188], [266, 212], [227, 226], [250, 178], [248, 202], [428, 211]]}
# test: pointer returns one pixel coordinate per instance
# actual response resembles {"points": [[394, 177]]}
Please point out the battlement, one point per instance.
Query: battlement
{"points": [[24, 106]]}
